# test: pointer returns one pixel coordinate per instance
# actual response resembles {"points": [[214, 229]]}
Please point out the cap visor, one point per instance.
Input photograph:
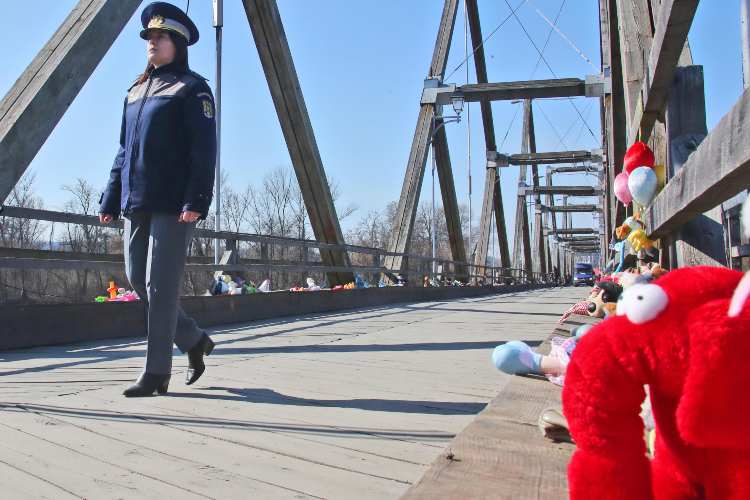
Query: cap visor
{"points": [[145, 32]]}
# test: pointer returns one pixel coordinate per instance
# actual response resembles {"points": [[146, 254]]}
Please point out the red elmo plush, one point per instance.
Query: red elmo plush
{"points": [[638, 155], [674, 335]]}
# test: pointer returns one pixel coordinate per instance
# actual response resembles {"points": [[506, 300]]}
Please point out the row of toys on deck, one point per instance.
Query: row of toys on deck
{"points": [[668, 361], [225, 284]]}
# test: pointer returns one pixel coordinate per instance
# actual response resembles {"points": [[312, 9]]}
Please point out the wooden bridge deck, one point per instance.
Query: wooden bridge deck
{"points": [[346, 405]]}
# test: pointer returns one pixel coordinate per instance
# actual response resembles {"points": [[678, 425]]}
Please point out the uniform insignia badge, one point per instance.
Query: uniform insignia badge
{"points": [[208, 109]]}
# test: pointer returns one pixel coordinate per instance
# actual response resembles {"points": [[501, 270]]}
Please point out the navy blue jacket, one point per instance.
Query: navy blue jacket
{"points": [[167, 149]]}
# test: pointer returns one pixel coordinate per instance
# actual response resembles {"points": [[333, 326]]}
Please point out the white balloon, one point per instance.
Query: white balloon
{"points": [[642, 183]]}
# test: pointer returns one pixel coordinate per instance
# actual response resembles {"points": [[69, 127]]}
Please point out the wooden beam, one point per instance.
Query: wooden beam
{"points": [[533, 89], [576, 230], [593, 241], [551, 223], [553, 157], [569, 190], [37, 101], [575, 169], [573, 208], [281, 76], [613, 114], [522, 241], [672, 26], [450, 203], [718, 169], [699, 241], [539, 237], [406, 211], [492, 201], [635, 42]]}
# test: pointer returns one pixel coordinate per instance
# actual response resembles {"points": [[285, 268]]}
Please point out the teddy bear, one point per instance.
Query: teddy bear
{"points": [[675, 335]]}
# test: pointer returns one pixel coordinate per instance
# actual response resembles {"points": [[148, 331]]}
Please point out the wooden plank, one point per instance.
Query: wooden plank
{"points": [[594, 239], [551, 157], [575, 169], [502, 453], [90, 220], [283, 82], [406, 211], [696, 188], [282, 412], [109, 265], [37, 101], [450, 202], [573, 208], [532, 89], [492, 200], [699, 241], [569, 190], [579, 230], [672, 26]]}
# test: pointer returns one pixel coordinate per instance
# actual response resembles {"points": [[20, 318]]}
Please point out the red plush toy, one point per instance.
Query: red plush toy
{"points": [[676, 336]]}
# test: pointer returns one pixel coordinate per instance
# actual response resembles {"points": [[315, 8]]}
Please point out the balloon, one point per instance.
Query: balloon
{"points": [[622, 192], [638, 155], [642, 184]]}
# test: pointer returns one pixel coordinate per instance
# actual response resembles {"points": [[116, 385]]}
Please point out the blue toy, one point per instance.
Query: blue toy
{"points": [[516, 358]]}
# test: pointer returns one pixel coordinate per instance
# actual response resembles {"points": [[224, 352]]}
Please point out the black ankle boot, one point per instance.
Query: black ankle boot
{"points": [[146, 384], [196, 366]]}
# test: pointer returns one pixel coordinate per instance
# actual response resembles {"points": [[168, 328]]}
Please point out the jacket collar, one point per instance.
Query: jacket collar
{"points": [[167, 68]]}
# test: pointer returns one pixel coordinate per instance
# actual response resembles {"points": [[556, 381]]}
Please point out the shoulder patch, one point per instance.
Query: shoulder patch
{"points": [[207, 104]]}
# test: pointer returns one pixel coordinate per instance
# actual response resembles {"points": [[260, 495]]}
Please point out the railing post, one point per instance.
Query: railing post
{"points": [[265, 260], [376, 264]]}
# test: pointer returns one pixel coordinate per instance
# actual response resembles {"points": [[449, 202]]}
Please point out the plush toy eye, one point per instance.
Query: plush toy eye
{"points": [[642, 303]]}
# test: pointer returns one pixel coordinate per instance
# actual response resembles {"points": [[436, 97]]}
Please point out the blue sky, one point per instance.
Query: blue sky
{"points": [[361, 66]]}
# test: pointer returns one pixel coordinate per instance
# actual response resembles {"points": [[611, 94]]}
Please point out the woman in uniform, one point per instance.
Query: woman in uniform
{"points": [[162, 183]]}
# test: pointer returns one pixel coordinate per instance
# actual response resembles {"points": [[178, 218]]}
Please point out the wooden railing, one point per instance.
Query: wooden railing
{"points": [[441, 270], [658, 97]]}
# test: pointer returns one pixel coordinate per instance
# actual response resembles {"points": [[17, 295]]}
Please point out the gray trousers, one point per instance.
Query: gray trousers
{"points": [[155, 253]]}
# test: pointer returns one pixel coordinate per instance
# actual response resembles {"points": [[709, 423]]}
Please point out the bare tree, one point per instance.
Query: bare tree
{"points": [[22, 233]]}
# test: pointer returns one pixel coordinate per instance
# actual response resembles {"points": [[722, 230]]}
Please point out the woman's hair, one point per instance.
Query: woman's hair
{"points": [[180, 58]]}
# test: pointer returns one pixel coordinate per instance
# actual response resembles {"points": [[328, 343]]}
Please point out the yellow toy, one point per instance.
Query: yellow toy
{"points": [[639, 240]]}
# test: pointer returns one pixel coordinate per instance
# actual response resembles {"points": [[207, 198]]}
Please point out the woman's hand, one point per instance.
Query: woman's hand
{"points": [[188, 216], [105, 218]]}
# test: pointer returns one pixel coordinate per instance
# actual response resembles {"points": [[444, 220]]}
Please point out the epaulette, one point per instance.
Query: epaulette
{"points": [[197, 75]]}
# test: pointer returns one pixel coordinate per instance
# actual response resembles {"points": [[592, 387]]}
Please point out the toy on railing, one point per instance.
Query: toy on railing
{"points": [[117, 295], [311, 287], [226, 285]]}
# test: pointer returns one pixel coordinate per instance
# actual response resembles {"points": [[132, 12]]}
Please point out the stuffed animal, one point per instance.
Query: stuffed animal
{"points": [[639, 240], [630, 224], [676, 336], [606, 292]]}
